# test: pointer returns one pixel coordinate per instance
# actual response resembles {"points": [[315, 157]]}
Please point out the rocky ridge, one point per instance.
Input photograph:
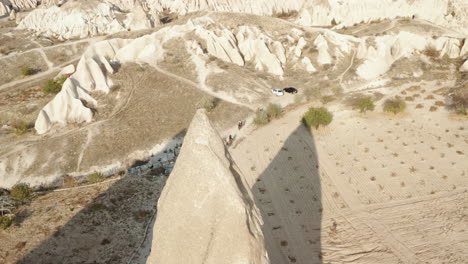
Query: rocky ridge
{"points": [[337, 13]]}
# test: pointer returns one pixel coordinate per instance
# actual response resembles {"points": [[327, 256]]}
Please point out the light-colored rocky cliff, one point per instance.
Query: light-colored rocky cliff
{"points": [[206, 212]]}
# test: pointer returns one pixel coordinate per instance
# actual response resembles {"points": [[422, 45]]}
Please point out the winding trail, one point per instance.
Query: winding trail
{"points": [[44, 56], [51, 66]]}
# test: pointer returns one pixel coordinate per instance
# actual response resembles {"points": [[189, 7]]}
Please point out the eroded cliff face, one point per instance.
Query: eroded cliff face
{"points": [[206, 212]]}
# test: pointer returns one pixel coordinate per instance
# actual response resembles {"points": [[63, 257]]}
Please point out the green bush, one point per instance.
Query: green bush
{"points": [[261, 118], [52, 86], [27, 71], [274, 111], [365, 104], [96, 177], [315, 117], [207, 102], [6, 221], [21, 192], [394, 105]]}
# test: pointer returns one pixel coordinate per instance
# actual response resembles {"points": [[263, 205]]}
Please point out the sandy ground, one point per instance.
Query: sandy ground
{"points": [[372, 188], [103, 223]]}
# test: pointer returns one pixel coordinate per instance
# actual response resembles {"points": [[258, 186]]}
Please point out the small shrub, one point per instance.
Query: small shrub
{"points": [[274, 111], [365, 104], [315, 117], [27, 71], [207, 102], [52, 86], [261, 118], [96, 177], [433, 108], [6, 221], [394, 106], [21, 192]]}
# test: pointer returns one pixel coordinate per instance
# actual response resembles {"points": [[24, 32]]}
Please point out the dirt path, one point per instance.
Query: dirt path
{"points": [[50, 65], [200, 87], [44, 56]]}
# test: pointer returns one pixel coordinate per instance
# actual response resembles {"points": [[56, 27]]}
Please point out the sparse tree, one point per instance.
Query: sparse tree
{"points": [[316, 117], [21, 192], [365, 104]]}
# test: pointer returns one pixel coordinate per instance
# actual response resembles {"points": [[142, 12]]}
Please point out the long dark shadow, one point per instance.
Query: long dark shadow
{"points": [[110, 229], [288, 194]]}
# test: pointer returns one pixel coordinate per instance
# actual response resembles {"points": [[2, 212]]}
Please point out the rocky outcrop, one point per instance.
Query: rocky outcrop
{"points": [[379, 55], [91, 75], [72, 20], [448, 13], [138, 18], [206, 212], [93, 70], [464, 67], [5, 8]]}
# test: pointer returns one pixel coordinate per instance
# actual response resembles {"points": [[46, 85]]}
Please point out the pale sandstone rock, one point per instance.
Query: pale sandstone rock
{"points": [[67, 106], [72, 20], [138, 18], [206, 213], [67, 70], [464, 67], [322, 46], [4, 8], [255, 47]]}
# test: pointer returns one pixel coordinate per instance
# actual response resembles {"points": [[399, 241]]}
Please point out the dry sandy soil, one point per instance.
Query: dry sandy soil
{"points": [[105, 221], [370, 188]]}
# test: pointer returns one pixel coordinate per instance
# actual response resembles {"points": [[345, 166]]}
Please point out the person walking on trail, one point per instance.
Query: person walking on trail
{"points": [[229, 141], [240, 124]]}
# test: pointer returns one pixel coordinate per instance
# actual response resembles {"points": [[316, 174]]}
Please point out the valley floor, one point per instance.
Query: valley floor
{"points": [[370, 188]]}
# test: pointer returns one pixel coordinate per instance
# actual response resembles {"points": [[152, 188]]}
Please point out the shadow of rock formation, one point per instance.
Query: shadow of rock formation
{"points": [[288, 194]]}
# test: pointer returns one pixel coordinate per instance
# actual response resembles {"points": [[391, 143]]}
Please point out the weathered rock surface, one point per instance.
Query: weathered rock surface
{"points": [[94, 69], [448, 13], [206, 212], [464, 67], [240, 46]]}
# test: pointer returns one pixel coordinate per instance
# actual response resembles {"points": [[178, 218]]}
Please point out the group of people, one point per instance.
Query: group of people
{"points": [[230, 139]]}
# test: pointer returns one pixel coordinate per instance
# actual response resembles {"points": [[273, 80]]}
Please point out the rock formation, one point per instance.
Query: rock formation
{"points": [[238, 46], [447, 13], [100, 19], [90, 75], [92, 72], [5, 8], [206, 212]]}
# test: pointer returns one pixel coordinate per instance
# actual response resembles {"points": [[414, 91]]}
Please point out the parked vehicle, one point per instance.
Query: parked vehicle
{"points": [[277, 92], [290, 90]]}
